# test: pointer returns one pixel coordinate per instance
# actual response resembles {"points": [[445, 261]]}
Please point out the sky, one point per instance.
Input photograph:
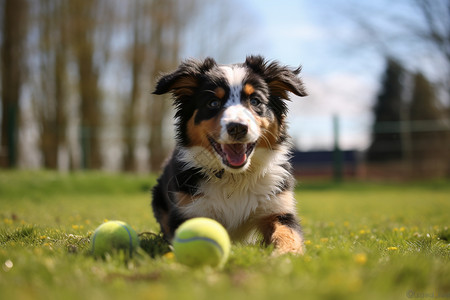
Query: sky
{"points": [[341, 66]]}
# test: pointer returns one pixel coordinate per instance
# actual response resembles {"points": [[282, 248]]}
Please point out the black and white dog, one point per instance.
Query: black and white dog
{"points": [[231, 161]]}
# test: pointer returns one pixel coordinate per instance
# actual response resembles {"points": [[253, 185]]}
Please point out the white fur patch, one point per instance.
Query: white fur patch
{"points": [[200, 157], [238, 200], [235, 112], [239, 114], [234, 75]]}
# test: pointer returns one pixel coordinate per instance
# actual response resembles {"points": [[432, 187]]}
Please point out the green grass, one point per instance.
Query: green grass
{"points": [[364, 241]]}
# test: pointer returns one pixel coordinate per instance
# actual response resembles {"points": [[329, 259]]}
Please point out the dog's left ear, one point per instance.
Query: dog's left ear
{"points": [[281, 79], [184, 80]]}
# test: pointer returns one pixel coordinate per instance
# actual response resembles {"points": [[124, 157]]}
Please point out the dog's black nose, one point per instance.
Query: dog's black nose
{"points": [[237, 130]]}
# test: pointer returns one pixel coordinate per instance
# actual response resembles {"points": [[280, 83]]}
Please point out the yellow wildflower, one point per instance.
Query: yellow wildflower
{"points": [[169, 255], [360, 258]]}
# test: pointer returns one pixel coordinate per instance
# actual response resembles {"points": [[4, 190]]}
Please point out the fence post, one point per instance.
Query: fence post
{"points": [[85, 147], [337, 153]]}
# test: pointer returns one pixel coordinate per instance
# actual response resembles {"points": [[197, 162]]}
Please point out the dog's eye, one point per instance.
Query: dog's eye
{"points": [[214, 104], [255, 102]]}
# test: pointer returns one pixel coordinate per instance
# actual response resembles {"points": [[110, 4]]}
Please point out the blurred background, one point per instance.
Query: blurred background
{"points": [[77, 77]]}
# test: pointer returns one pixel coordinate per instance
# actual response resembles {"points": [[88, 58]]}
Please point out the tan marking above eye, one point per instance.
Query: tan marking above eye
{"points": [[219, 92], [248, 89]]}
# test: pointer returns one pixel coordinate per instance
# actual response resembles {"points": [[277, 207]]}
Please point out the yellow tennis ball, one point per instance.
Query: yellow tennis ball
{"points": [[112, 237], [200, 242]]}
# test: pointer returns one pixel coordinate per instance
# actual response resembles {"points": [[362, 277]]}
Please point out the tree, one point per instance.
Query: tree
{"points": [[139, 47], [166, 26], [153, 47], [436, 33], [416, 29], [12, 64], [386, 139], [148, 26], [430, 136], [51, 95], [90, 32]]}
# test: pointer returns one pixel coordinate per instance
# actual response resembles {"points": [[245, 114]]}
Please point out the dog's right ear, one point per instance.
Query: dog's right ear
{"points": [[184, 80], [281, 79]]}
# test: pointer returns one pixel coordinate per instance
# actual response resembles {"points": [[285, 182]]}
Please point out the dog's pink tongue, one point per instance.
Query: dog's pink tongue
{"points": [[235, 154]]}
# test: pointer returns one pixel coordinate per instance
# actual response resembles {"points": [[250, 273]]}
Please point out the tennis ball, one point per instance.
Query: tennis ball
{"points": [[200, 242], [112, 237]]}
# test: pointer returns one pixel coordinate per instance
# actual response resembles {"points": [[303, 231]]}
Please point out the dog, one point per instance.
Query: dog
{"points": [[231, 160]]}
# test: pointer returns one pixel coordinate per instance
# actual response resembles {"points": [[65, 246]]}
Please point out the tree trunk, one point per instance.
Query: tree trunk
{"points": [[12, 56], [137, 58], [90, 110], [51, 103], [165, 57], [84, 26]]}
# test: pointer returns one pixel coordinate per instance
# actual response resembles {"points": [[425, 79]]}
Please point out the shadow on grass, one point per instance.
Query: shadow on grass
{"points": [[154, 244]]}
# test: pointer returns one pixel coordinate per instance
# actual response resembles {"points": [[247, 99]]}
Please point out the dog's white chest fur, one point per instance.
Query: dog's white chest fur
{"points": [[236, 200]]}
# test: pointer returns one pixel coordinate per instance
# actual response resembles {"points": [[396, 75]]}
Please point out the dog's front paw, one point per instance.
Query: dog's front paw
{"points": [[286, 241], [284, 232]]}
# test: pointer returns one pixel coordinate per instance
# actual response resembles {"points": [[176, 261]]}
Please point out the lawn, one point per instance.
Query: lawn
{"points": [[363, 241]]}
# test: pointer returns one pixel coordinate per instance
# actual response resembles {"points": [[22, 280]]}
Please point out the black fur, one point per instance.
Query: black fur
{"points": [[173, 181], [291, 221]]}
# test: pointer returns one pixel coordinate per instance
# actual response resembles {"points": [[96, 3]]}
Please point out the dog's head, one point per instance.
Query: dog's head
{"points": [[226, 113]]}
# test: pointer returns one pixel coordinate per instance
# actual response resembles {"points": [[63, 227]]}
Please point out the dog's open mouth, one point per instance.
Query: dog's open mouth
{"points": [[233, 155]]}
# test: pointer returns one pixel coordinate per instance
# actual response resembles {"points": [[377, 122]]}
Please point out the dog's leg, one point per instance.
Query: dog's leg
{"points": [[160, 208], [284, 232]]}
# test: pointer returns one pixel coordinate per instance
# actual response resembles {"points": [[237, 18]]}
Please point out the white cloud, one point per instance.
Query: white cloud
{"points": [[345, 95]]}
